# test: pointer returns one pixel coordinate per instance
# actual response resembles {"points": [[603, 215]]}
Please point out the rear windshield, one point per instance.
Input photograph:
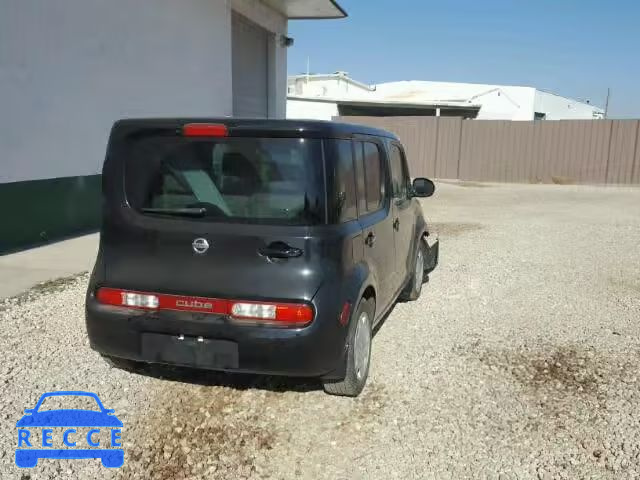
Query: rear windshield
{"points": [[251, 180]]}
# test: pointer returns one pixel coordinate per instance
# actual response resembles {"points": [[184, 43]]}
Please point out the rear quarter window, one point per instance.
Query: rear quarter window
{"points": [[342, 186], [373, 176], [370, 179]]}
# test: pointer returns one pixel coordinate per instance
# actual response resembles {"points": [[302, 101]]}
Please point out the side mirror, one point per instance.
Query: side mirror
{"points": [[423, 187]]}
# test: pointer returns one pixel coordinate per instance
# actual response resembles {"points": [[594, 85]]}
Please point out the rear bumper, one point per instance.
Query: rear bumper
{"points": [[172, 337]]}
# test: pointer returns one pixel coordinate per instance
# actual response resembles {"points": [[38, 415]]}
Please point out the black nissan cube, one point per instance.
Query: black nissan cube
{"points": [[262, 246]]}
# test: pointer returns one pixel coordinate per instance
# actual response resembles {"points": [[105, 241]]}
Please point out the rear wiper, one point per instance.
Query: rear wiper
{"points": [[179, 212]]}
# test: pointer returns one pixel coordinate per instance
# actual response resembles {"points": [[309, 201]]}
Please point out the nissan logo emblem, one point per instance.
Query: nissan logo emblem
{"points": [[200, 245]]}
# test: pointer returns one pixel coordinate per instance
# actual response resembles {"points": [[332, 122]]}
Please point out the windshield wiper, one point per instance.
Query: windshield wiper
{"points": [[178, 212]]}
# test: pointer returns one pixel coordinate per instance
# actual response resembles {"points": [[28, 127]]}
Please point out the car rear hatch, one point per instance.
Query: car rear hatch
{"points": [[212, 210]]}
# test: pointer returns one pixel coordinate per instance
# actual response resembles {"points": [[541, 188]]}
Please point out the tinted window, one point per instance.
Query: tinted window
{"points": [[361, 190], [262, 180], [374, 178], [343, 198], [399, 178]]}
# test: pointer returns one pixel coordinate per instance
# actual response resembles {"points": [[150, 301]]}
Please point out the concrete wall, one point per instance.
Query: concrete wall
{"points": [[70, 68], [562, 108]]}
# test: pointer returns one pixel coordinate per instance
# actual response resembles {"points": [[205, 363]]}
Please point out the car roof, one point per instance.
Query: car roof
{"points": [[72, 393], [255, 127]]}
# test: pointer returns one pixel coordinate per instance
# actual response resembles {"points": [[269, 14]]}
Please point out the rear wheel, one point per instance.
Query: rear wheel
{"points": [[413, 289], [358, 353]]}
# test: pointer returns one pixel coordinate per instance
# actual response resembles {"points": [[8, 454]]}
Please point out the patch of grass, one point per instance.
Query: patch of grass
{"points": [[466, 183], [565, 369], [200, 432], [370, 402], [41, 289], [559, 180], [366, 410], [55, 285], [631, 284]]}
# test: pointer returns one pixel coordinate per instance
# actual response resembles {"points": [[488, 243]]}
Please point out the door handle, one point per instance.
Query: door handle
{"points": [[370, 240], [279, 250], [396, 224]]}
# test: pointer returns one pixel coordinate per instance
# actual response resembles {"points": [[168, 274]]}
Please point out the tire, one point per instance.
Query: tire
{"points": [[413, 289], [358, 353]]}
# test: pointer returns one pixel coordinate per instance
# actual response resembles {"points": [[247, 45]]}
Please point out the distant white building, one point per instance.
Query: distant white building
{"points": [[325, 96]]}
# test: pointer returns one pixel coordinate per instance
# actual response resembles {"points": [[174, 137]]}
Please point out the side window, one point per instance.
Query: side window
{"points": [[344, 180], [361, 190], [399, 177], [373, 174]]}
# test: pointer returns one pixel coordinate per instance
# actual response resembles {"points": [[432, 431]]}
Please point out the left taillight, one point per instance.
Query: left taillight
{"points": [[124, 298]]}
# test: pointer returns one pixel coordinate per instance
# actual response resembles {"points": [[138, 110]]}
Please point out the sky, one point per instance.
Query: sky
{"points": [[576, 48]]}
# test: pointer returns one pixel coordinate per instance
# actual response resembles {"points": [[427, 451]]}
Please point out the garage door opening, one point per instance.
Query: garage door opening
{"points": [[250, 68]]}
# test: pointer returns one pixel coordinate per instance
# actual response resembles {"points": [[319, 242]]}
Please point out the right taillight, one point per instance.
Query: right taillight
{"points": [[263, 311], [277, 313]]}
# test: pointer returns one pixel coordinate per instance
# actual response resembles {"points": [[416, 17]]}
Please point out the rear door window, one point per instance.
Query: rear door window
{"points": [[261, 180]]}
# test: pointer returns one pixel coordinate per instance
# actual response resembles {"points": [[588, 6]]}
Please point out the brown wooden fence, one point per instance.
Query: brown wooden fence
{"points": [[566, 151]]}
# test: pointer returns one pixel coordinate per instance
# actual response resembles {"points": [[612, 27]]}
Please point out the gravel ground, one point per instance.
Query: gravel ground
{"points": [[520, 360]]}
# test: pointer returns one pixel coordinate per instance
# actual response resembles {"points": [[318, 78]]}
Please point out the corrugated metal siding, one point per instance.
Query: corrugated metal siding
{"points": [[580, 151], [635, 177], [621, 153]]}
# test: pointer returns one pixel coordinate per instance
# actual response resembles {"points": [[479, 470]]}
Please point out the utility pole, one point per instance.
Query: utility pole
{"points": [[606, 105]]}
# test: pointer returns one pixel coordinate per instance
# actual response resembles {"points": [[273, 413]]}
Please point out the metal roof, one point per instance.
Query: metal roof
{"points": [[307, 9], [331, 76], [389, 103]]}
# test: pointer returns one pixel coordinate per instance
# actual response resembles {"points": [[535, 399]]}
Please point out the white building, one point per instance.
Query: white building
{"points": [[497, 102], [324, 96], [70, 68]]}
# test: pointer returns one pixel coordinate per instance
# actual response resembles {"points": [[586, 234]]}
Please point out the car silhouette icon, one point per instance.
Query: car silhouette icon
{"points": [[70, 418]]}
